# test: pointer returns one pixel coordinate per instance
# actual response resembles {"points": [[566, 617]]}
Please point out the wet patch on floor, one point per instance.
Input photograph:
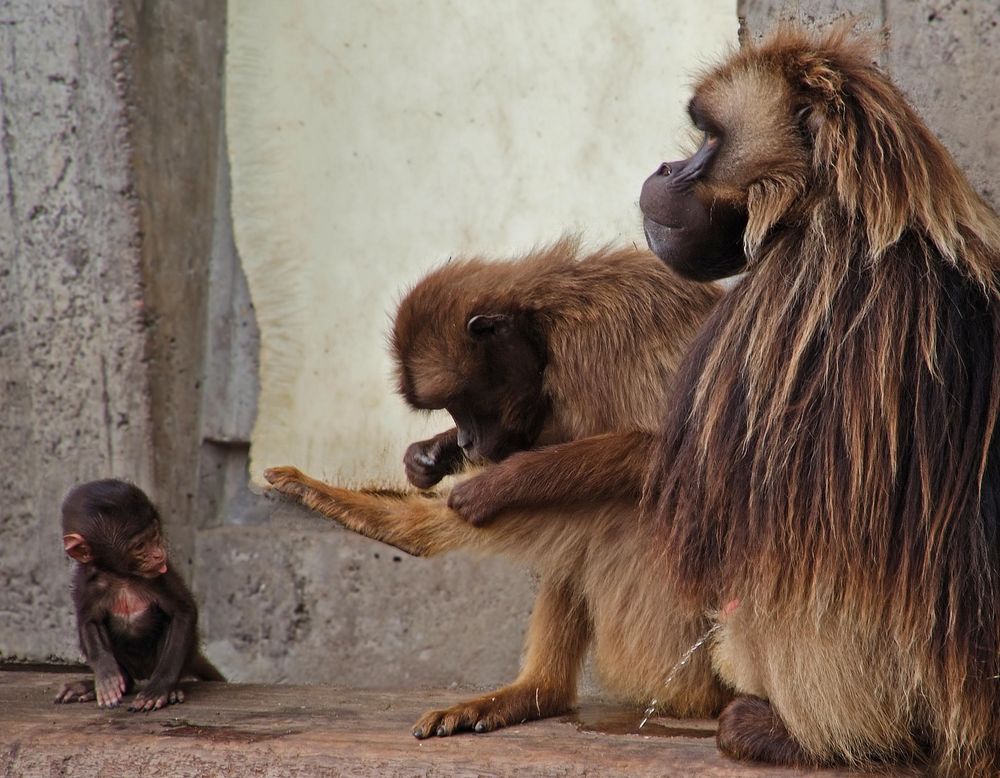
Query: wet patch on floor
{"points": [[607, 721]]}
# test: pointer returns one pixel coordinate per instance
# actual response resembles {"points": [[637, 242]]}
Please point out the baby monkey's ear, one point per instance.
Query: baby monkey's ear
{"points": [[77, 547]]}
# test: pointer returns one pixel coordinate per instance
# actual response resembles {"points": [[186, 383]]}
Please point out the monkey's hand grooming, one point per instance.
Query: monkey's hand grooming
{"points": [[428, 461], [598, 468]]}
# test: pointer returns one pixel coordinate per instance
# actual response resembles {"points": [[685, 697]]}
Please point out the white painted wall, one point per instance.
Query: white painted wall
{"points": [[370, 141]]}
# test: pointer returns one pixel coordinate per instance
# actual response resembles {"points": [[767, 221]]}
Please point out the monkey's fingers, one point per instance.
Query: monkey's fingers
{"points": [[511, 705], [110, 689], [154, 699], [286, 480], [76, 691], [427, 462], [441, 723], [472, 501]]}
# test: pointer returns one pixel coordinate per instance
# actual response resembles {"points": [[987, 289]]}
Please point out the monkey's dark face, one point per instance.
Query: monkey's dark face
{"points": [[112, 525], [147, 554], [128, 552], [690, 222], [494, 391]]}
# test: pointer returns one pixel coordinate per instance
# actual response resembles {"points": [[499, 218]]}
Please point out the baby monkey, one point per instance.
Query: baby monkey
{"points": [[135, 616]]}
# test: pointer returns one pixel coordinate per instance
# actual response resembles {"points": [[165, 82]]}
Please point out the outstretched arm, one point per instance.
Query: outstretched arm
{"points": [[421, 525], [602, 467]]}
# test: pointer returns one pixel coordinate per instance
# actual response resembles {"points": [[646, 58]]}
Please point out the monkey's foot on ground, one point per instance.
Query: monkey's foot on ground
{"points": [[287, 480], [77, 691], [154, 698], [750, 731], [510, 705]]}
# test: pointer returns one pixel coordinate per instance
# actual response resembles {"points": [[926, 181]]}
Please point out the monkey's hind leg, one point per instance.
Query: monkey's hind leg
{"points": [[751, 731], [557, 640]]}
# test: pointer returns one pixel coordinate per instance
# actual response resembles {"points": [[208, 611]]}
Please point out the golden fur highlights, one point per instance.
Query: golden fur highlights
{"points": [[614, 324], [833, 459], [601, 588]]}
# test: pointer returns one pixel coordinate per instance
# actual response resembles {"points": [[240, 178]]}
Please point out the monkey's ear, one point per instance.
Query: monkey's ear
{"points": [[486, 325], [77, 547]]}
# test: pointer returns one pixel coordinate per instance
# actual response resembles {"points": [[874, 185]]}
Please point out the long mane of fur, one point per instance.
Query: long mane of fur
{"points": [[834, 452]]}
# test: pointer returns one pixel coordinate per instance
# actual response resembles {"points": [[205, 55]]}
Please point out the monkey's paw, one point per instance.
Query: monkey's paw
{"points": [[428, 461], [76, 691], [110, 686], [154, 697], [475, 500], [286, 480], [502, 708]]}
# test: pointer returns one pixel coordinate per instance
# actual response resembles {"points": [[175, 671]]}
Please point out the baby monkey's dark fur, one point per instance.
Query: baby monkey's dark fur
{"points": [[135, 616]]}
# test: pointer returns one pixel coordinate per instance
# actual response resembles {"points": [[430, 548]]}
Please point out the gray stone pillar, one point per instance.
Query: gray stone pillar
{"points": [[110, 124], [74, 395]]}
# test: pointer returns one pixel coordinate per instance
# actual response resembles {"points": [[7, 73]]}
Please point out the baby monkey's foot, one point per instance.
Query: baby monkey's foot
{"points": [[156, 697], [76, 691]]}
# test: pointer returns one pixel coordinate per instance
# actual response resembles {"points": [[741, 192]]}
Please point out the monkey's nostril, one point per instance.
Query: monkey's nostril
{"points": [[664, 169]]}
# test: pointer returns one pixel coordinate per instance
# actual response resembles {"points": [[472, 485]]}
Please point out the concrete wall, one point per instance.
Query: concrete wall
{"points": [[111, 117], [128, 343], [75, 397], [370, 142], [944, 54]]}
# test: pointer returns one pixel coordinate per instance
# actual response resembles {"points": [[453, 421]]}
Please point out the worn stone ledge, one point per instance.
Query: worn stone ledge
{"points": [[276, 731]]}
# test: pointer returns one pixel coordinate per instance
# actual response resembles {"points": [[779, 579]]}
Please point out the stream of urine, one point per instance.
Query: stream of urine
{"points": [[681, 663]]}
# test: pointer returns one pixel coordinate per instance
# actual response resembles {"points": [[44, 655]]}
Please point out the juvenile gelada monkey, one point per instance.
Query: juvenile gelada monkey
{"points": [[553, 346], [135, 617]]}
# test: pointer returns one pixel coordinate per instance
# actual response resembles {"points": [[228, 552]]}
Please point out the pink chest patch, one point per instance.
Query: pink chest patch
{"points": [[130, 604]]}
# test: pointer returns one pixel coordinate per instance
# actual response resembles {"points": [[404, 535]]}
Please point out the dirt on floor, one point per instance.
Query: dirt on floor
{"points": [[276, 731]]}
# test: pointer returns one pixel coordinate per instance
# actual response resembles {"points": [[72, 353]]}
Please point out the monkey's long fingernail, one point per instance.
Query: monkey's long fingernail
{"points": [[480, 726], [441, 731]]}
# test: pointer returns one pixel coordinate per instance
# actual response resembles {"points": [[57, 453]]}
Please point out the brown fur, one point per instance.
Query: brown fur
{"points": [[614, 324], [832, 461], [833, 457], [601, 586]]}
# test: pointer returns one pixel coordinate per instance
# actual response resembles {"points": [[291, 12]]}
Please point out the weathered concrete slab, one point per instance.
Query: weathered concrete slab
{"points": [[277, 731], [301, 600]]}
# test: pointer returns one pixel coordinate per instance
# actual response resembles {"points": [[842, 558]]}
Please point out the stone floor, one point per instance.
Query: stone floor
{"points": [[276, 731]]}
